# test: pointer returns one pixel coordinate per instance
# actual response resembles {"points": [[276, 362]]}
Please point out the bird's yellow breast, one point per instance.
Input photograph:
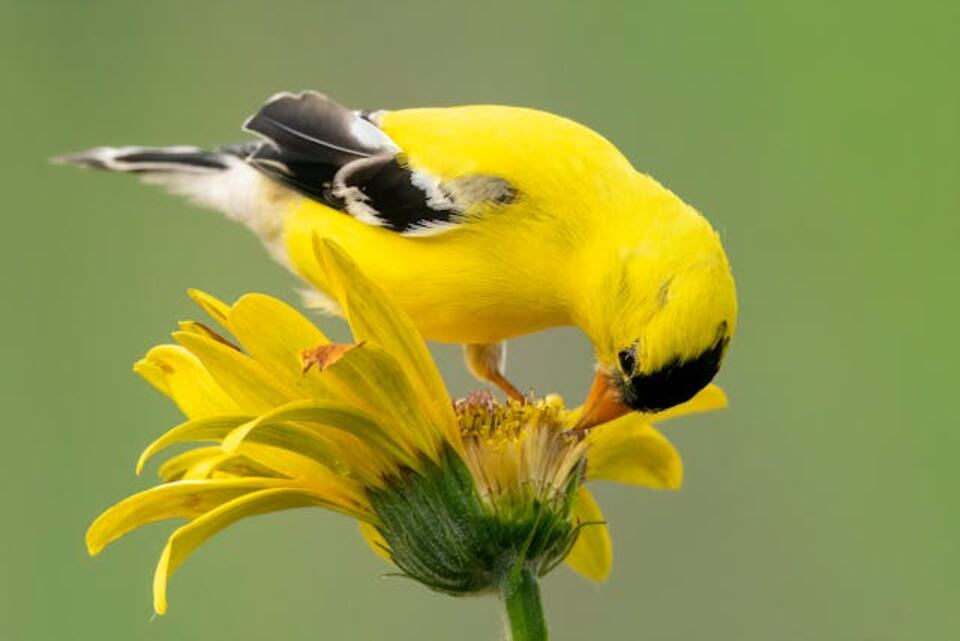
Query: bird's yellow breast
{"points": [[465, 285]]}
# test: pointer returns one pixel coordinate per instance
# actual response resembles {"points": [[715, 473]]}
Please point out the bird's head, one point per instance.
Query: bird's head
{"points": [[661, 331]]}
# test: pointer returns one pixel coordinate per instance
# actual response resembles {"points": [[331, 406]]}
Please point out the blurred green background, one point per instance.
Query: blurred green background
{"points": [[822, 140]]}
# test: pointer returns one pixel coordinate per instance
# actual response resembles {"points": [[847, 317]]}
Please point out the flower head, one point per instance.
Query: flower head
{"points": [[457, 495]]}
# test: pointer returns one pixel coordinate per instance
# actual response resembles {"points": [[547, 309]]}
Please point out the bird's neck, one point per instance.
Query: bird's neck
{"points": [[629, 253]]}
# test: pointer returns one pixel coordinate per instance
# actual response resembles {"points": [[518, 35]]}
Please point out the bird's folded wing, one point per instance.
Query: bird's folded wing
{"points": [[342, 159]]}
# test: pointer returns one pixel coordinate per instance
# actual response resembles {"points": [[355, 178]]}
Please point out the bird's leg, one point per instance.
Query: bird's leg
{"points": [[487, 361]]}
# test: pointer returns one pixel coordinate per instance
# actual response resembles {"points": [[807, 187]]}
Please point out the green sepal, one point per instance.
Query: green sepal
{"points": [[441, 532]]}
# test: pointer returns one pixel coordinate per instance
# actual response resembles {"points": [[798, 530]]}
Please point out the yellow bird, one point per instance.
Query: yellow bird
{"points": [[482, 222]]}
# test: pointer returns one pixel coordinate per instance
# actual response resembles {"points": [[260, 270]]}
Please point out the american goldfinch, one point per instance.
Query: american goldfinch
{"points": [[484, 223]]}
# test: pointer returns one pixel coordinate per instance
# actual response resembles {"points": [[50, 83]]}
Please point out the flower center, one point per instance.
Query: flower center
{"points": [[461, 524], [519, 451]]}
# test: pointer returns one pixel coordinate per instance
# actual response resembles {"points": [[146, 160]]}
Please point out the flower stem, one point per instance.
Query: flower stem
{"points": [[521, 598]]}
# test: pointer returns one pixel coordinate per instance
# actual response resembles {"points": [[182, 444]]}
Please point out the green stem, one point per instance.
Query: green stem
{"points": [[521, 598]]}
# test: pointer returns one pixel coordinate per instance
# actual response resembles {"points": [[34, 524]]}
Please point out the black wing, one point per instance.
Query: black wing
{"points": [[341, 158]]}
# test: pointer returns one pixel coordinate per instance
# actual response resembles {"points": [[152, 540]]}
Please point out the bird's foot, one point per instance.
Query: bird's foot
{"points": [[508, 388]]}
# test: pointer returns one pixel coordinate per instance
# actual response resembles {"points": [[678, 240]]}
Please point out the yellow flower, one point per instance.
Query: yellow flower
{"points": [[458, 495]]}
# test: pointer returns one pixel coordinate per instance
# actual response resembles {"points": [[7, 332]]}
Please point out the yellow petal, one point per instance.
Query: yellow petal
{"points": [[263, 461], [708, 399], [630, 450], [208, 468], [341, 453], [195, 327], [204, 462], [368, 377], [212, 428], [299, 443], [156, 375], [592, 554], [326, 414], [181, 499], [274, 334], [214, 307], [307, 472], [375, 540], [180, 375], [189, 537], [181, 465], [252, 388], [373, 317]]}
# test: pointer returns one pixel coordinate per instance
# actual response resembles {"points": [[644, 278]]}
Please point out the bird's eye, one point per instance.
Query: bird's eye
{"points": [[628, 360]]}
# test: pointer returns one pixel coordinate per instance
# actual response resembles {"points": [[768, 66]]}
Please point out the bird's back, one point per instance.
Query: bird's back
{"points": [[538, 152]]}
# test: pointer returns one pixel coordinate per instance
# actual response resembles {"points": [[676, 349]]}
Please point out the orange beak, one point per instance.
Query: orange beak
{"points": [[602, 404]]}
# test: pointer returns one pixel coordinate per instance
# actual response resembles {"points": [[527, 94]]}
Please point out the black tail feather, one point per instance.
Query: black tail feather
{"points": [[146, 159]]}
